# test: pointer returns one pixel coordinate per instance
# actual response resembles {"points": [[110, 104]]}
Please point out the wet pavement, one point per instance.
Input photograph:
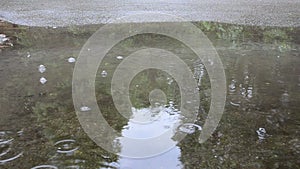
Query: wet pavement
{"points": [[284, 13]]}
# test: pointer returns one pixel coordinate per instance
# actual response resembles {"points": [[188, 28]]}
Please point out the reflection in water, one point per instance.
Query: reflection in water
{"points": [[263, 73], [169, 159], [150, 123], [152, 127]]}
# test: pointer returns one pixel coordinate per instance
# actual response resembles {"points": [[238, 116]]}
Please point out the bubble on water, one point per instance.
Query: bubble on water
{"points": [[199, 70], [28, 55], [85, 108], [285, 97], [189, 128], [71, 60], [210, 62], [103, 73], [250, 92], [43, 80], [20, 133], [3, 38], [66, 146], [243, 91], [120, 57], [42, 68], [261, 133], [45, 166], [170, 81], [232, 86]]}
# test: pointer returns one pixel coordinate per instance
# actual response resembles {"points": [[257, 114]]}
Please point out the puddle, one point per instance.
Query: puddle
{"points": [[263, 80]]}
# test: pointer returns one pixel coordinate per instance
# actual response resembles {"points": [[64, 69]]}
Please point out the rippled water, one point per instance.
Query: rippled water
{"points": [[259, 128]]}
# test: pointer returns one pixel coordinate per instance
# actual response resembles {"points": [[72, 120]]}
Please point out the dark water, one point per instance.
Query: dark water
{"points": [[39, 127]]}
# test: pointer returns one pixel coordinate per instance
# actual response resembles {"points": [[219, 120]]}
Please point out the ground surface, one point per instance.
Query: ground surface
{"points": [[79, 12]]}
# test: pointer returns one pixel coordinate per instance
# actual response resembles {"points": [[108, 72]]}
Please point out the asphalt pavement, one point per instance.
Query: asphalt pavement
{"points": [[283, 13]]}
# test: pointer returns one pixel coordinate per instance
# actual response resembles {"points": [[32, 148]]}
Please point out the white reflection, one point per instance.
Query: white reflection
{"points": [[148, 123]]}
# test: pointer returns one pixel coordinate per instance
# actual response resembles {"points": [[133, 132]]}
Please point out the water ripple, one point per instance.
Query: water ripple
{"points": [[66, 146], [11, 158], [189, 128], [45, 166], [7, 153]]}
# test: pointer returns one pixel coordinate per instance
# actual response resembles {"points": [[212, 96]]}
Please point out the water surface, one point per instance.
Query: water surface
{"points": [[39, 127]]}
